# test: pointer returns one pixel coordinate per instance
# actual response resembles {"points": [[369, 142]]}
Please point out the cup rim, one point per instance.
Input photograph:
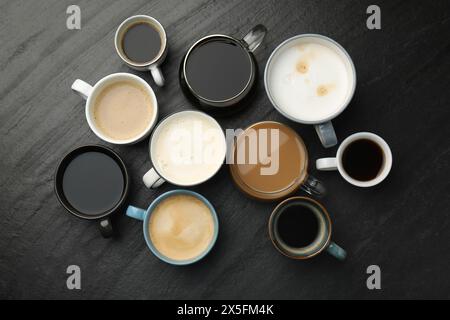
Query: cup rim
{"points": [[314, 202], [149, 212], [311, 35], [90, 103], [206, 38], [272, 195], [387, 153], [163, 120], [161, 30], [79, 150]]}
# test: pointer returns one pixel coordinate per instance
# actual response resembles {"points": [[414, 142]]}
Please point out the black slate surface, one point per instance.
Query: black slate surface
{"points": [[402, 94]]}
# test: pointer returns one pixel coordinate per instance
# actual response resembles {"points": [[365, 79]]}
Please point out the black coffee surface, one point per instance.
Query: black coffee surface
{"points": [[363, 160], [141, 42], [218, 69], [298, 225], [93, 183]]}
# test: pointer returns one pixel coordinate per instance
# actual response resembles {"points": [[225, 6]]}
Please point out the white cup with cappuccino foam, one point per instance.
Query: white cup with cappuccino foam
{"points": [[186, 148], [120, 109], [311, 79]]}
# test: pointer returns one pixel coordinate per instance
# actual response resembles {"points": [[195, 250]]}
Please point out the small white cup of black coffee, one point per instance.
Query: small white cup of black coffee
{"points": [[363, 159], [142, 55]]}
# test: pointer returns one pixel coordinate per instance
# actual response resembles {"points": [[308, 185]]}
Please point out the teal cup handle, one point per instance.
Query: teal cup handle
{"points": [[136, 213], [336, 251]]}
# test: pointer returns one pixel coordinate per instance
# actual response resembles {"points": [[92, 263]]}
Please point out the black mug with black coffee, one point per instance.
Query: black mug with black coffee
{"points": [[218, 72], [91, 183]]}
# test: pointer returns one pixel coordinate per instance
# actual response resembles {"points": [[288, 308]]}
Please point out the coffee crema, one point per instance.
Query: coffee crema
{"points": [[181, 227], [123, 110], [309, 81]]}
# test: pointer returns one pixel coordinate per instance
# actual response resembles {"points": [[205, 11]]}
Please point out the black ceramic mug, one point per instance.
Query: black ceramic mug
{"points": [[91, 183], [218, 72]]}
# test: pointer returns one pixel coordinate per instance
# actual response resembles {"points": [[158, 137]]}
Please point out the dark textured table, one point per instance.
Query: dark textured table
{"points": [[402, 94]]}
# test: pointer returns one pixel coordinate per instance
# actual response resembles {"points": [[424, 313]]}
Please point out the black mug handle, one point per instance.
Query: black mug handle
{"points": [[255, 37], [106, 228]]}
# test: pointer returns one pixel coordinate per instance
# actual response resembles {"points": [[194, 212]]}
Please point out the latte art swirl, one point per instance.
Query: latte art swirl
{"points": [[181, 227]]}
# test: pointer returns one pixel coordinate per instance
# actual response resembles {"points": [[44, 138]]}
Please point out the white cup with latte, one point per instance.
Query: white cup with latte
{"points": [[120, 109], [186, 148], [311, 79]]}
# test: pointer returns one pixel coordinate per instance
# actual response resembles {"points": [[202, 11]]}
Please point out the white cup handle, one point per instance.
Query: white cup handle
{"points": [[152, 179], [83, 89], [157, 76], [326, 164], [326, 134]]}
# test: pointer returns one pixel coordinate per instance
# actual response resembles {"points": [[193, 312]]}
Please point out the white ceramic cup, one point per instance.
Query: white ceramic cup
{"points": [[324, 127], [331, 164], [154, 65], [89, 93], [155, 177]]}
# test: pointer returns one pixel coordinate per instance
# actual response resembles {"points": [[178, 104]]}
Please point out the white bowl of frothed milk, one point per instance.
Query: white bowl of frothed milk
{"points": [[311, 79]]}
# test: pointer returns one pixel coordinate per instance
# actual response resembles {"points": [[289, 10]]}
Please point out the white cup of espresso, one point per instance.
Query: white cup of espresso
{"points": [[311, 79], [364, 159], [187, 148], [120, 108], [135, 37]]}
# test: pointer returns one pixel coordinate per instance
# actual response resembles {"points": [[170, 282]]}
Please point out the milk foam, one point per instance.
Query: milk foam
{"points": [[123, 110], [181, 227], [189, 148], [309, 81]]}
